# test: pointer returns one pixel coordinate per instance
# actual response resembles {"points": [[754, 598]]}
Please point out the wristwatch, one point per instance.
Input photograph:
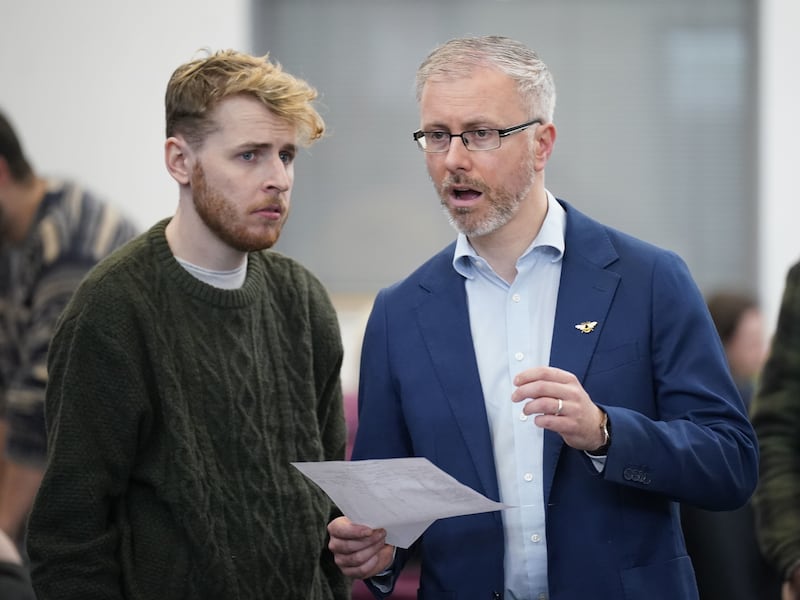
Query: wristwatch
{"points": [[605, 427]]}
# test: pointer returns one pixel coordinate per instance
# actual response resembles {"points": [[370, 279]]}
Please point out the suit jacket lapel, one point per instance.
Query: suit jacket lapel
{"points": [[444, 323], [585, 293], [584, 296]]}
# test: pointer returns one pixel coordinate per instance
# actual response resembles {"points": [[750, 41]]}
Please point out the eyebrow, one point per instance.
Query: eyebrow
{"points": [[263, 146], [471, 125]]}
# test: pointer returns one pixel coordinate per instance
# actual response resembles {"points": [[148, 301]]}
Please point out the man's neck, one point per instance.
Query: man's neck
{"points": [[191, 240], [502, 248]]}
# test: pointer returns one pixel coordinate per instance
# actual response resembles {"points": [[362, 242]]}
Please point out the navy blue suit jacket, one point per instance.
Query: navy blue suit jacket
{"points": [[654, 363]]}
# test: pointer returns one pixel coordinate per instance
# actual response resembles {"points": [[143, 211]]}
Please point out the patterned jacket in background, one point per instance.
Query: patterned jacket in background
{"points": [[776, 419], [71, 232]]}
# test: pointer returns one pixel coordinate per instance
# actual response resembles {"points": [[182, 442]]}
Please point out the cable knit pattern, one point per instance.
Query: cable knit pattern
{"points": [[174, 411]]}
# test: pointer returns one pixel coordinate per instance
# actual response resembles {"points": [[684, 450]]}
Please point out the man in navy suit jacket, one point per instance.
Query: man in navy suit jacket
{"points": [[545, 360]]}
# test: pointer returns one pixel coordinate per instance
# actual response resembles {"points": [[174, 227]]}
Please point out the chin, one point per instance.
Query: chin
{"points": [[255, 245]]}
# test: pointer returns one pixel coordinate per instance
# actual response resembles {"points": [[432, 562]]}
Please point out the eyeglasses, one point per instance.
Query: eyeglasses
{"points": [[475, 140]]}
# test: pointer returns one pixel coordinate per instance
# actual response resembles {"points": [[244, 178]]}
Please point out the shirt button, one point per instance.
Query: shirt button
{"points": [[516, 297], [519, 356], [535, 538], [542, 596], [523, 417], [528, 477]]}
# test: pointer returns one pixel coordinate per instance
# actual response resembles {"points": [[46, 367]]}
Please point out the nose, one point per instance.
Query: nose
{"points": [[457, 156], [278, 176]]}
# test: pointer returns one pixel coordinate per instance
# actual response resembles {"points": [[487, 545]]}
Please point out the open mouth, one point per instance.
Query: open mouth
{"points": [[465, 193], [464, 196]]}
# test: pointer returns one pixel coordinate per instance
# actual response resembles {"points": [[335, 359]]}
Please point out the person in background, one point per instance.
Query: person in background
{"points": [[15, 582], [740, 325], [722, 544], [192, 368], [52, 232], [776, 417], [545, 360]]}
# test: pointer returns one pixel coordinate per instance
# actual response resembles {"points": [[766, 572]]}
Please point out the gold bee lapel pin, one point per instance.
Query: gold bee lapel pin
{"points": [[586, 326]]}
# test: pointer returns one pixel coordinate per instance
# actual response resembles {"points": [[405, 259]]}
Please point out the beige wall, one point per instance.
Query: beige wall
{"points": [[83, 82], [779, 151]]}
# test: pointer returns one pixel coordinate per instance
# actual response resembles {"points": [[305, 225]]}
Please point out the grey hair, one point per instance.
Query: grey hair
{"points": [[457, 57]]}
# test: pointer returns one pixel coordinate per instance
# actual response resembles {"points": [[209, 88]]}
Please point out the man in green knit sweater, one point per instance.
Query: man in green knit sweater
{"points": [[190, 370], [776, 419]]}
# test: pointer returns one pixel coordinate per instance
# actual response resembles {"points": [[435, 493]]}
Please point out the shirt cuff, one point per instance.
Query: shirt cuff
{"points": [[599, 462], [383, 580]]}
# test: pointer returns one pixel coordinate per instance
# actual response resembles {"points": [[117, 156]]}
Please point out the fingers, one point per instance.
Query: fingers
{"points": [[359, 551], [343, 528], [541, 382], [552, 374], [545, 405], [560, 404]]}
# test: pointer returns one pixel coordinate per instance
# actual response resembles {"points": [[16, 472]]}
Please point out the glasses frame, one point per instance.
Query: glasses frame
{"points": [[420, 135]]}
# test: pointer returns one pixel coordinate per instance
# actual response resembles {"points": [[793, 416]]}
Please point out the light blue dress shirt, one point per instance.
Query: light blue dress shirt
{"points": [[512, 327]]}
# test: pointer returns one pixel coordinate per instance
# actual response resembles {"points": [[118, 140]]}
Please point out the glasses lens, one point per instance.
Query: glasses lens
{"points": [[482, 139], [436, 141]]}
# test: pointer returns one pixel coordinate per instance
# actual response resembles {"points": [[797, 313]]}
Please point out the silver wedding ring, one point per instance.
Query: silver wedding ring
{"points": [[560, 407]]}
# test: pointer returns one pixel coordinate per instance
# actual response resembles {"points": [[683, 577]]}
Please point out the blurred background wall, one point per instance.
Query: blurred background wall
{"points": [[677, 120], [654, 118]]}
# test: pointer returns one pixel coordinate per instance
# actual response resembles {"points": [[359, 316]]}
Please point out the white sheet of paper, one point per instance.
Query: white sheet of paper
{"points": [[402, 495]]}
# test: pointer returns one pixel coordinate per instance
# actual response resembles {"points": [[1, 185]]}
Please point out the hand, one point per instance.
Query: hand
{"points": [[791, 588], [359, 551], [578, 423]]}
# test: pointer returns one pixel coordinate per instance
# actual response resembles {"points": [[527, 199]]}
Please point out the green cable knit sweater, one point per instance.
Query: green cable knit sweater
{"points": [[174, 410]]}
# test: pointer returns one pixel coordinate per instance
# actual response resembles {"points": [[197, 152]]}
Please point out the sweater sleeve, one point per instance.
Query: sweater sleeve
{"points": [[95, 410], [327, 365], [776, 419]]}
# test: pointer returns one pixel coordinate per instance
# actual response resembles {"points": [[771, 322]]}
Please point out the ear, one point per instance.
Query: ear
{"points": [[543, 145], [178, 158]]}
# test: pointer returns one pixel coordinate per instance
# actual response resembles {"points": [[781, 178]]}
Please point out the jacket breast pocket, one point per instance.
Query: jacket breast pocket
{"points": [[608, 359]]}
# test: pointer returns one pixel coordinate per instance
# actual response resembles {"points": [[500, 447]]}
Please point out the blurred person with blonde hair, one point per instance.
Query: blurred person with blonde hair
{"points": [[192, 368]]}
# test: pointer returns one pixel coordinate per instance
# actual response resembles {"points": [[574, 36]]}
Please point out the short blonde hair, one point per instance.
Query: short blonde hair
{"points": [[197, 87]]}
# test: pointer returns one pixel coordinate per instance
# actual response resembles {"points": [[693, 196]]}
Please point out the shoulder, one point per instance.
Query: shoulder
{"points": [[294, 292], [79, 206], [290, 281], [605, 246], [76, 223], [118, 280], [793, 280], [280, 268], [435, 272]]}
